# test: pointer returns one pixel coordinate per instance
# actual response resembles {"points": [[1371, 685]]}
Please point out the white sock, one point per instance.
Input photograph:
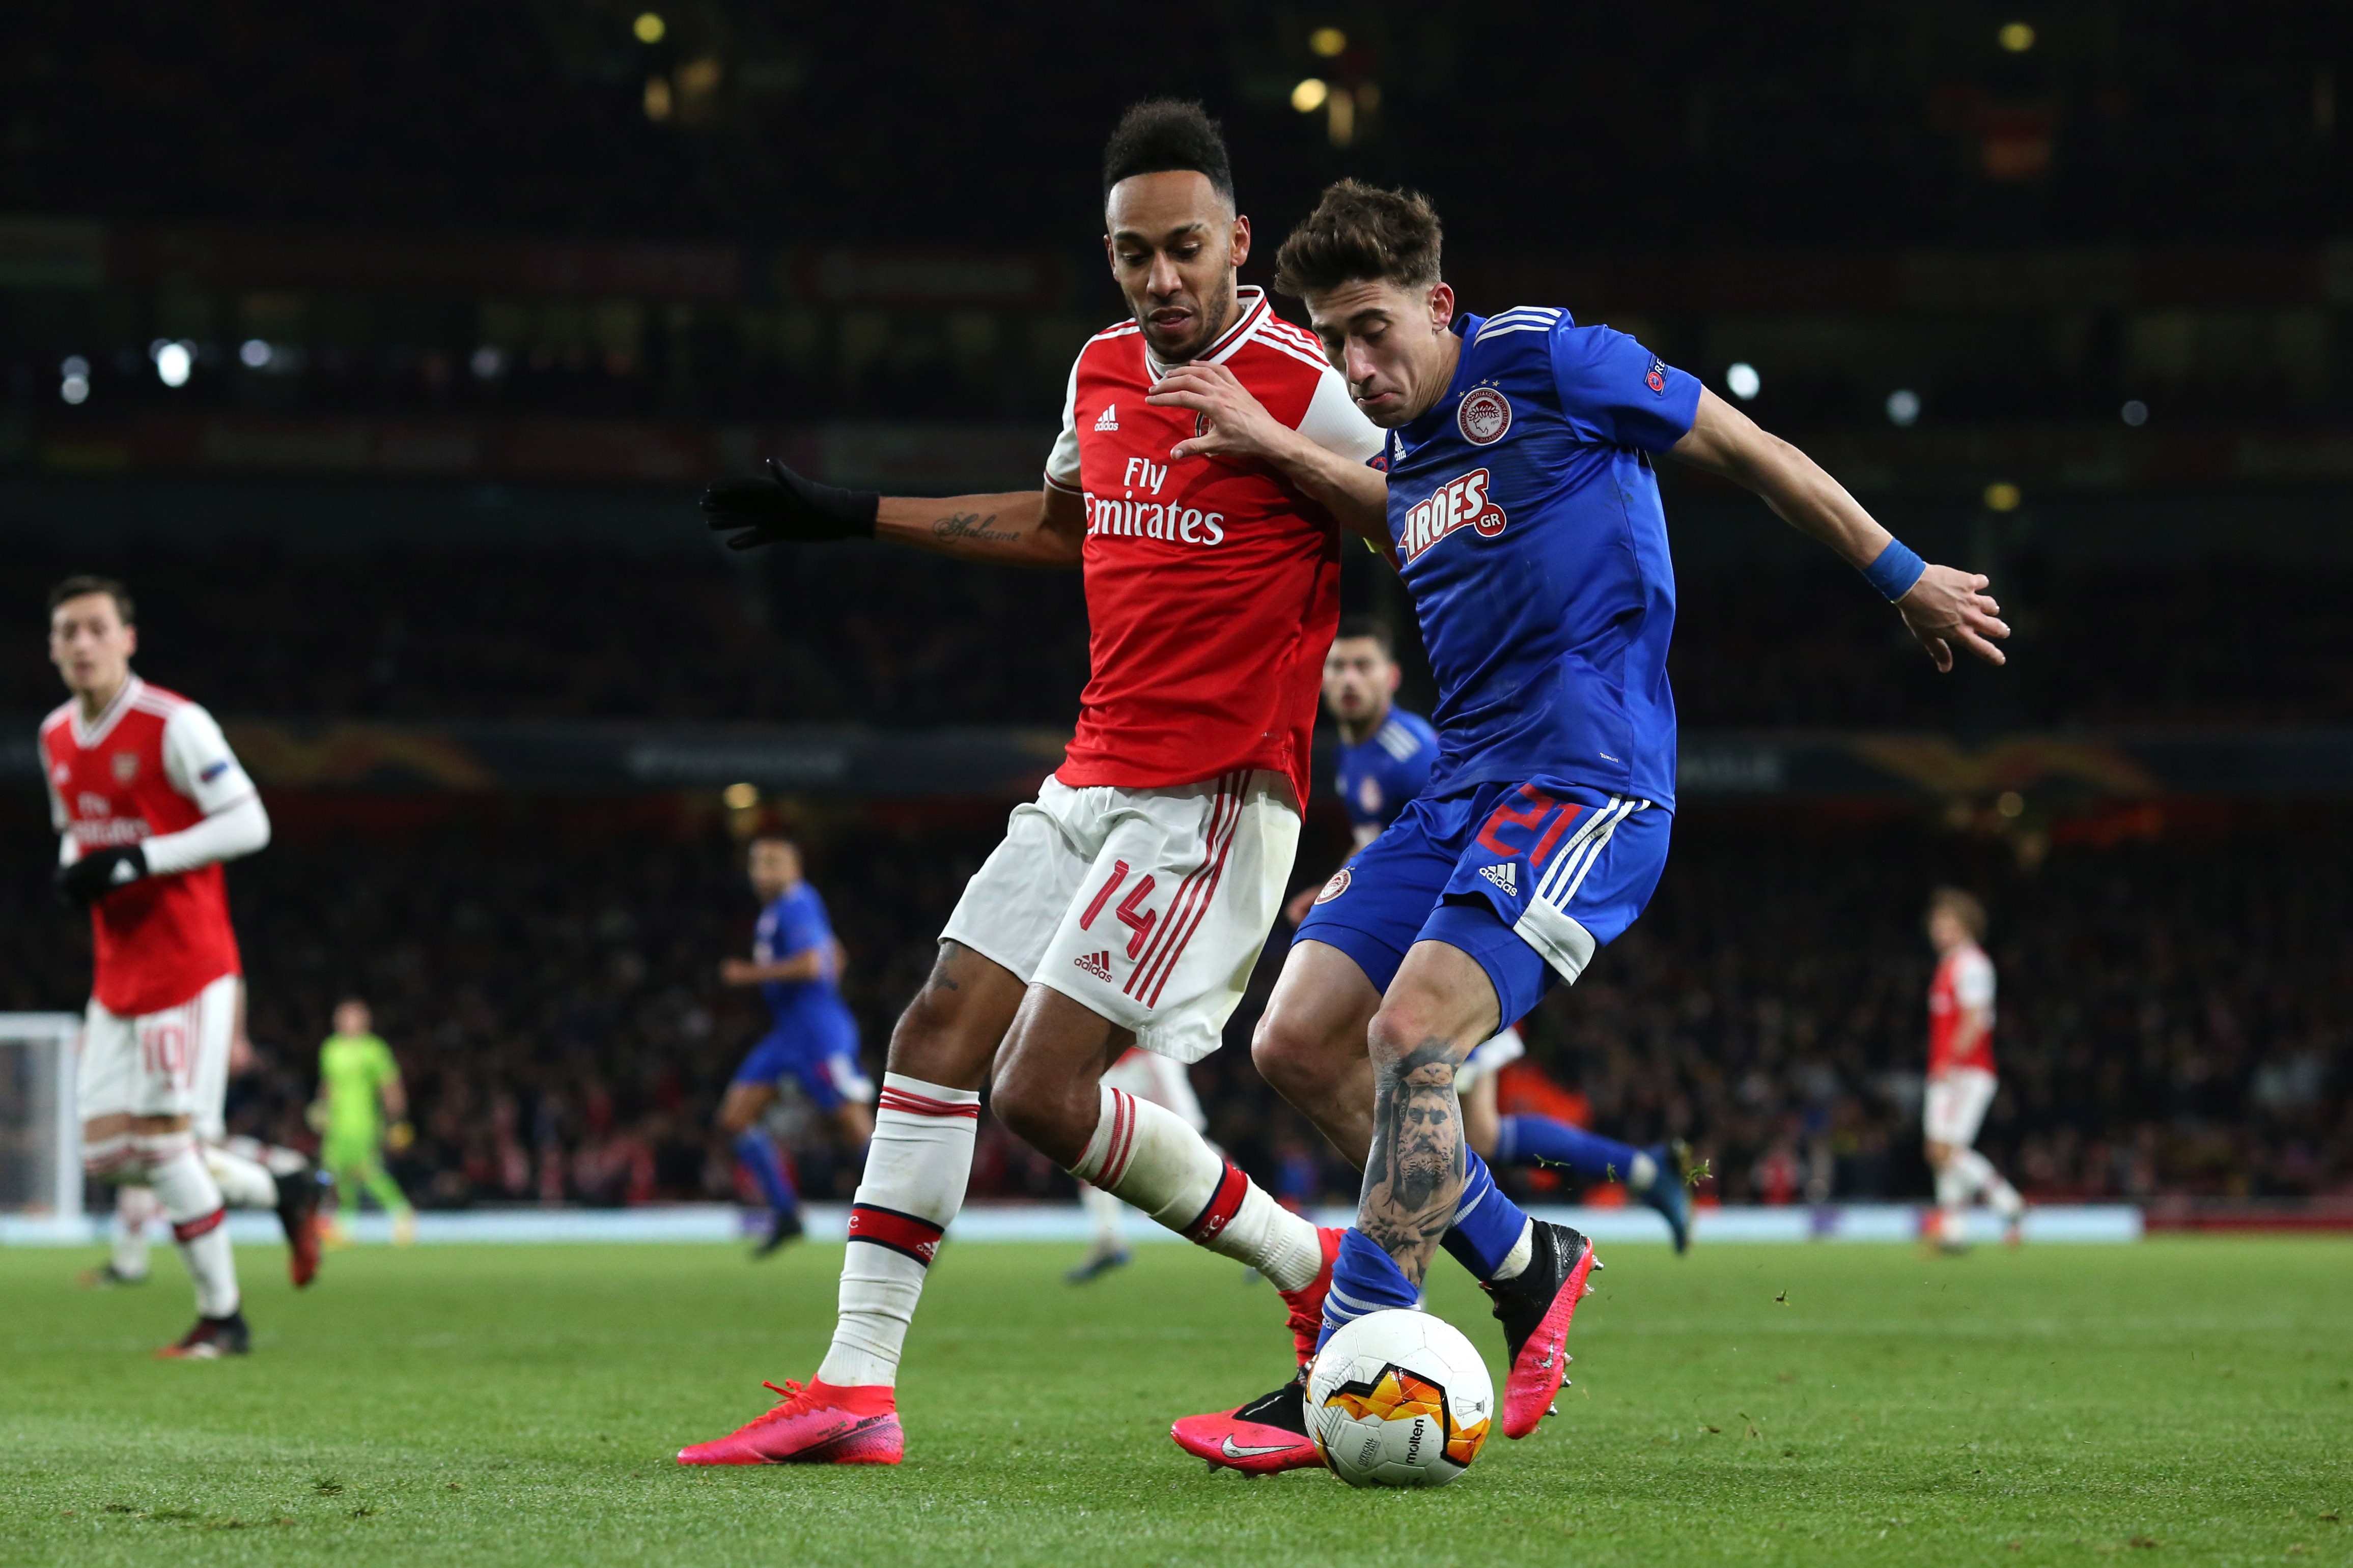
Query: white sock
{"points": [[1952, 1188], [1524, 1251], [275, 1157], [1151, 1158], [243, 1182], [1979, 1176], [193, 1203], [133, 1207], [917, 1169], [115, 1160], [1104, 1210]]}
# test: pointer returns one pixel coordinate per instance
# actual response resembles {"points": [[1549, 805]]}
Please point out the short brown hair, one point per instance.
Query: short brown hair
{"points": [[1361, 234], [1371, 626], [82, 585], [1964, 907]]}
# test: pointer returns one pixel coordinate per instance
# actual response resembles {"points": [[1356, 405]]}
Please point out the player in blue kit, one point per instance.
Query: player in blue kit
{"points": [[1524, 506], [812, 1038], [1386, 757]]}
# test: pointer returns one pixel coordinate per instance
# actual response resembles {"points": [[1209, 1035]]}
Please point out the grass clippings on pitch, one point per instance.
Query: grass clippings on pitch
{"points": [[2191, 1400]]}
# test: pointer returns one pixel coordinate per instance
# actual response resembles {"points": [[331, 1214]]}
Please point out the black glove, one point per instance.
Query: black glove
{"points": [[99, 872], [787, 506]]}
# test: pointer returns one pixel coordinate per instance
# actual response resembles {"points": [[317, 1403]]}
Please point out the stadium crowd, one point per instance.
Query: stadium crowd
{"points": [[2172, 1020], [864, 635]]}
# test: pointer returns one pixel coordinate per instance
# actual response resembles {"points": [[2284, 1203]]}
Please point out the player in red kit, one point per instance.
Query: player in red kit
{"points": [[1960, 1072], [1207, 460], [148, 801]]}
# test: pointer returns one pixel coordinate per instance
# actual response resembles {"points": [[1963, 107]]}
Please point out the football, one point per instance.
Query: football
{"points": [[1399, 1399]]}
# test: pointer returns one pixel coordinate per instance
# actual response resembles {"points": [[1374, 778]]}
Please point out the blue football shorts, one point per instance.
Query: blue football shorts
{"points": [[1527, 879], [816, 1047]]}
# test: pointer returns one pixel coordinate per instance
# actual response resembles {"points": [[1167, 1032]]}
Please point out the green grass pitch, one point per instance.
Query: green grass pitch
{"points": [[2189, 1400]]}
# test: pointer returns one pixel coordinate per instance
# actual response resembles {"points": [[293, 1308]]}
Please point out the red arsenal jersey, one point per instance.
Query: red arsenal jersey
{"points": [[1213, 587], [153, 764], [1964, 980]]}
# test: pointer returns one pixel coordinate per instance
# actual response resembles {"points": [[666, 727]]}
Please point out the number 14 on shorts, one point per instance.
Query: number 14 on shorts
{"points": [[1131, 912]]}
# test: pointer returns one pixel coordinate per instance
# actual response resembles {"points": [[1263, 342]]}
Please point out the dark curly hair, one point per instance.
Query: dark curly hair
{"points": [[1164, 133]]}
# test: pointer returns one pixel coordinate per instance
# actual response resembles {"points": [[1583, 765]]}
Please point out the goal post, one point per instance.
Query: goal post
{"points": [[40, 1135]]}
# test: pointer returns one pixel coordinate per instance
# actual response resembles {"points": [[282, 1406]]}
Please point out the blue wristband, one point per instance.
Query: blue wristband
{"points": [[1894, 572]]}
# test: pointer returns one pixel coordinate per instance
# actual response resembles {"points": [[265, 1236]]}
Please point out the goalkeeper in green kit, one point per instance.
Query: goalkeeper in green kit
{"points": [[359, 1087]]}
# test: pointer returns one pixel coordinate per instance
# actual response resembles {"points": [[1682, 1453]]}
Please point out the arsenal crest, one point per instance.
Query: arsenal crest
{"points": [[126, 766], [1485, 414]]}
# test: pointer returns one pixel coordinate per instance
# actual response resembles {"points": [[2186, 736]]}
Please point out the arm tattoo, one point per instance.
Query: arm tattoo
{"points": [[972, 525], [1413, 1179], [949, 952]]}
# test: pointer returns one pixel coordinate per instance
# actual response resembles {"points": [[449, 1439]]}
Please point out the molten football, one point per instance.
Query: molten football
{"points": [[1399, 1399]]}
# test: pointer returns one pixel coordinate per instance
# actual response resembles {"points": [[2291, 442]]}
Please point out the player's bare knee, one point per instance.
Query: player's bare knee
{"points": [[932, 1044], [1284, 1054], [949, 1032], [1053, 1118], [1402, 1026]]}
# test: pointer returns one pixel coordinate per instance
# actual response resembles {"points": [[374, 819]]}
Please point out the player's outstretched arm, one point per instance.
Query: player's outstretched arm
{"points": [[807, 965], [1233, 424], [1042, 527], [1023, 528], [1944, 607]]}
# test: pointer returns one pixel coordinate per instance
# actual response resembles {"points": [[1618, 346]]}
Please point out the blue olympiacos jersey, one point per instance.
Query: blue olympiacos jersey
{"points": [[1380, 774], [1529, 527], [792, 925]]}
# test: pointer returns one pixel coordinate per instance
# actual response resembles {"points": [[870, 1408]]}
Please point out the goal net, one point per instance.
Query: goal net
{"points": [[40, 1137]]}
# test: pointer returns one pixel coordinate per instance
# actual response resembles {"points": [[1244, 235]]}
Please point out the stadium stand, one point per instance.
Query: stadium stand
{"points": [[2175, 983], [872, 637]]}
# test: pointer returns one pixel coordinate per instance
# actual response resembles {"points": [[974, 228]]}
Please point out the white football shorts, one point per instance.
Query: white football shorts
{"points": [[1490, 1055], [1955, 1107], [172, 1063], [1148, 906]]}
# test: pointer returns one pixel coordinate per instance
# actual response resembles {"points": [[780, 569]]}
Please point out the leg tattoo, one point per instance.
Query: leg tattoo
{"points": [[1414, 1178]]}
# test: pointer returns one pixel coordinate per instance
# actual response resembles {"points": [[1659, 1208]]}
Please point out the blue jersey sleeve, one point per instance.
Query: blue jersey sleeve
{"points": [[802, 925], [1616, 393]]}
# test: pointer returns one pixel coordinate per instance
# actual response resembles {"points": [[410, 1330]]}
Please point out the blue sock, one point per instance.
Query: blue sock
{"points": [[1487, 1225], [759, 1157], [1364, 1279], [1527, 1140]]}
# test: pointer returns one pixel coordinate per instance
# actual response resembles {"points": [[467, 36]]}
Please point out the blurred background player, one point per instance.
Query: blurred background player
{"points": [[1385, 755], [1960, 1073], [361, 1112], [148, 801], [812, 1038], [249, 1172], [1151, 1077]]}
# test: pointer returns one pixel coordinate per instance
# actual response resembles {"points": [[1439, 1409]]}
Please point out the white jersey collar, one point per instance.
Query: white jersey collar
{"points": [[86, 736], [1249, 305]]}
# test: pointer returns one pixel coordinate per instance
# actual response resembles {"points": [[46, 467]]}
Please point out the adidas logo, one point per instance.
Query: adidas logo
{"points": [[1110, 417], [1096, 963], [1505, 876]]}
